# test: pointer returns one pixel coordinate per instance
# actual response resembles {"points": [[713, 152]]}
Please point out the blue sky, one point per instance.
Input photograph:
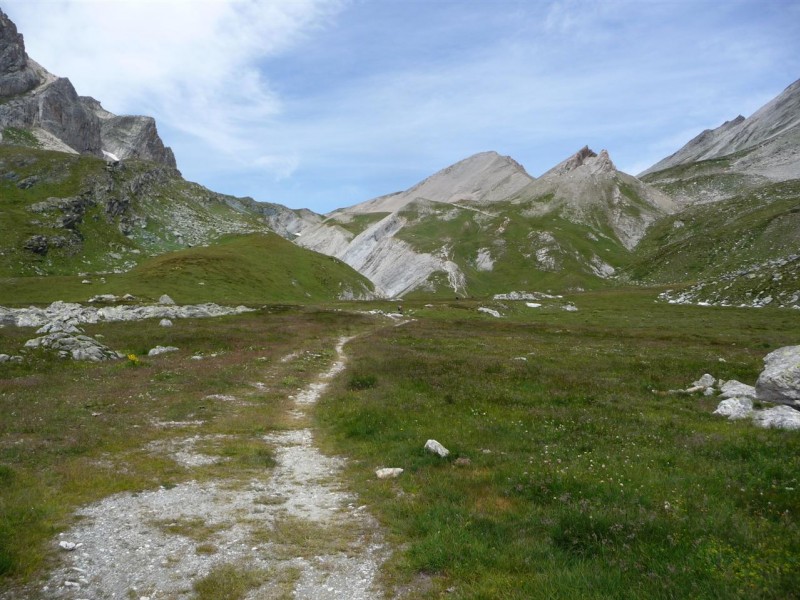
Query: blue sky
{"points": [[327, 103]]}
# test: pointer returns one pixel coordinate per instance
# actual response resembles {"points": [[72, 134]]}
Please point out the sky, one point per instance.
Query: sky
{"points": [[327, 103]]}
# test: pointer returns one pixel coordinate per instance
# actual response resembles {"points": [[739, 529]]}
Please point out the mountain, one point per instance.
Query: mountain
{"points": [[45, 111], [88, 195], [741, 153], [484, 226]]}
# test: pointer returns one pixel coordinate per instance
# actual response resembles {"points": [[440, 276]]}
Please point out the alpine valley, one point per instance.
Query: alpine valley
{"points": [[583, 384]]}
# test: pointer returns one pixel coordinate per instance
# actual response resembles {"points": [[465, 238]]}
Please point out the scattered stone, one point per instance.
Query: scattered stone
{"points": [[490, 311], [85, 281], [67, 546], [735, 408], [103, 298], [129, 297], [734, 389], [779, 417], [166, 300], [436, 448], [779, 382], [462, 461], [59, 326], [389, 473], [37, 244], [533, 304], [570, 308], [709, 391], [706, 381], [165, 323], [162, 350]]}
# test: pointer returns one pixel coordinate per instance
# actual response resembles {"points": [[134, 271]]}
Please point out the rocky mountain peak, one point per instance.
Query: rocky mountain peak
{"points": [[585, 159], [50, 108]]}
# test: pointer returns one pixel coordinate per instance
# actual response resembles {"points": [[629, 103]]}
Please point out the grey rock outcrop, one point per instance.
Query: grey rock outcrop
{"points": [[16, 74], [75, 346], [737, 389], [59, 118], [779, 382]]}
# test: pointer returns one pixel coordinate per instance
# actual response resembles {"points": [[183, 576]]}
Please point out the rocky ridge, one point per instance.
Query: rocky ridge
{"points": [[48, 107]]}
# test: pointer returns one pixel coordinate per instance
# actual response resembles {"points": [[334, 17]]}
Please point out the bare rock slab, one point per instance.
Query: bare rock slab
{"points": [[737, 389], [779, 382], [779, 417]]}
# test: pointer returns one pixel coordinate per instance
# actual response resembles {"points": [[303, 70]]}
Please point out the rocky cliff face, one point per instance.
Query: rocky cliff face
{"points": [[764, 145], [51, 110]]}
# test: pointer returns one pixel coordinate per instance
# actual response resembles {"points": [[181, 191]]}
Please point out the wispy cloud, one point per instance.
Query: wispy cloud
{"points": [[328, 102]]}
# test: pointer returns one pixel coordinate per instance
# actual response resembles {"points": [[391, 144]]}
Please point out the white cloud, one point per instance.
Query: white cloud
{"points": [[194, 65]]}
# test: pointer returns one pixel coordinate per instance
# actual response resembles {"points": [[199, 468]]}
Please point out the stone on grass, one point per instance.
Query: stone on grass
{"points": [[166, 300], [735, 408], [165, 323], [570, 308], [706, 381], [161, 350], [490, 311], [779, 417], [779, 382], [77, 347], [388, 472], [56, 326], [4, 358], [737, 389], [436, 448], [462, 461]]}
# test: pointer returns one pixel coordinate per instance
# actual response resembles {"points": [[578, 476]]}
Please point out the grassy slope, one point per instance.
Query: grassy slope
{"points": [[239, 269], [156, 196], [510, 235], [583, 482], [735, 235]]}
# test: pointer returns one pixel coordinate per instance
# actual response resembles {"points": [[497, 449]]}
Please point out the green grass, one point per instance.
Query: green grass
{"points": [[239, 269], [582, 482], [20, 137]]}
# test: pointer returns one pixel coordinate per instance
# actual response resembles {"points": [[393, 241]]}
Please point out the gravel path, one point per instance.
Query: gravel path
{"points": [[298, 528]]}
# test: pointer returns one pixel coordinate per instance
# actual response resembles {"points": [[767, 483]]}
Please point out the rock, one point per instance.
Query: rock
{"points": [[735, 408], [779, 382], [166, 300], [129, 297], [165, 323], [78, 347], [706, 381], [37, 244], [436, 448], [16, 359], [570, 308], [17, 75], [58, 326], [4, 358], [533, 304], [161, 350], [68, 546], [734, 389], [462, 461], [490, 311], [103, 298], [779, 417], [389, 473]]}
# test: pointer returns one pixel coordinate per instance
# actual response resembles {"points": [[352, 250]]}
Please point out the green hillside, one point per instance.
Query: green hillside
{"points": [[239, 269]]}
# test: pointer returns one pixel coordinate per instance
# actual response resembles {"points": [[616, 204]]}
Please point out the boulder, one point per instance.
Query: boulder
{"points": [[166, 300], [436, 448], [388, 472], [737, 389], [735, 408], [165, 323], [779, 417], [77, 347], [4, 358], [779, 382]]}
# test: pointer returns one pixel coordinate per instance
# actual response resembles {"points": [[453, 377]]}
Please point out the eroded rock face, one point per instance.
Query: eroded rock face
{"points": [[16, 75], [49, 106], [779, 382]]}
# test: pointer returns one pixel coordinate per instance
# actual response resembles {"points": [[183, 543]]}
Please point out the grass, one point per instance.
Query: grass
{"points": [[72, 433], [582, 481]]}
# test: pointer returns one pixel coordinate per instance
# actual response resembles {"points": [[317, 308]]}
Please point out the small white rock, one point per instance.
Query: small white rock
{"points": [[388, 472], [68, 546], [436, 448], [165, 323]]}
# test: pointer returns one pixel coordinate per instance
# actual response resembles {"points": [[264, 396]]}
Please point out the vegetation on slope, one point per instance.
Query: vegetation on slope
{"points": [[581, 481], [250, 269]]}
